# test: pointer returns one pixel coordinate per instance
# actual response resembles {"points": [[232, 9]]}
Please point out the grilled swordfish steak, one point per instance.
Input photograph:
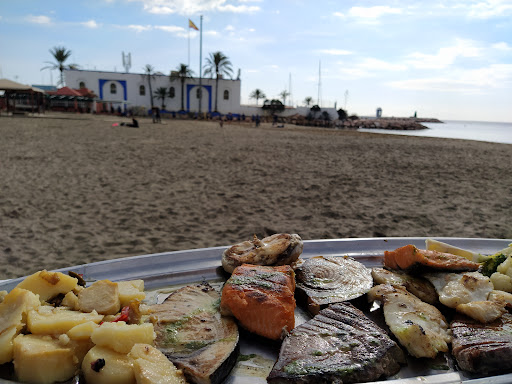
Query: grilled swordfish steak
{"points": [[483, 348], [324, 280], [191, 332], [339, 345]]}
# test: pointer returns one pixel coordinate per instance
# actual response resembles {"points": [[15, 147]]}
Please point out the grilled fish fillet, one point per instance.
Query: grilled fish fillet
{"points": [[418, 286], [261, 299], [413, 259], [468, 293], [419, 327], [278, 249], [339, 345]]}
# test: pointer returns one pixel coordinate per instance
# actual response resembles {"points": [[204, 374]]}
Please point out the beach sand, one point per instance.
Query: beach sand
{"points": [[76, 190]]}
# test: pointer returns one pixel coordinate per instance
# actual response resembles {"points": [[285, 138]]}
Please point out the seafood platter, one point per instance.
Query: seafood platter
{"points": [[271, 310]]}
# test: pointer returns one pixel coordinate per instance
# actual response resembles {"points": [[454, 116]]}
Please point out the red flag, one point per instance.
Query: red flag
{"points": [[192, 25]]}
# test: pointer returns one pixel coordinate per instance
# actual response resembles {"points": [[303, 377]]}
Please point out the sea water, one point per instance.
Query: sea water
{"points": [[455, 129]]}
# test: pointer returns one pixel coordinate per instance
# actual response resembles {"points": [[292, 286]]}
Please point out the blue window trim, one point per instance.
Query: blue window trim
{"points": [[122, 82], [208, 89]]}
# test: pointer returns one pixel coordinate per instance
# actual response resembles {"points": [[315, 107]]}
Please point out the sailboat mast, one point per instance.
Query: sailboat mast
{"points": [[319, 101]]}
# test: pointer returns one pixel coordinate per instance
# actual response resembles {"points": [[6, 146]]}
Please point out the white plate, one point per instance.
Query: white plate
{"points": [[184, 267]]}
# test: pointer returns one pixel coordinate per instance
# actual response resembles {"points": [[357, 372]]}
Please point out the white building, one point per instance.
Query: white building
{"points": [[128, 90]]}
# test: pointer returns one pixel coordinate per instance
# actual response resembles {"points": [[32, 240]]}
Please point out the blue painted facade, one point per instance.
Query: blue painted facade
{"points": [[208, 89]]}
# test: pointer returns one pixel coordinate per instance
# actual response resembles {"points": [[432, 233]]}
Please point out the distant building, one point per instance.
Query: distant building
{"points": [[379, 112], [127, 90]]}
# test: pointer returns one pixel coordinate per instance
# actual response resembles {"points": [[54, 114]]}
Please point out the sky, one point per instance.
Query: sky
{"points": [[446, 59]]}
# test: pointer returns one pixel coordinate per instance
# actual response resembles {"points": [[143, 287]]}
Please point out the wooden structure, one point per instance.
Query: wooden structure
{"points": [[19, 97]]}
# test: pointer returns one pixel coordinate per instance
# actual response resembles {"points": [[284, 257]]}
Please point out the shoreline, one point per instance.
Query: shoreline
{"points": [[79, 190]]}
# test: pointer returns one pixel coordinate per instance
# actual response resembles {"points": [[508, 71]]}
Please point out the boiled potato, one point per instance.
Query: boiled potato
{"points": [[121, 337], [102, 297], [47, 320], [131, 290], [6, 344], [150, 366], [82, 331], [41, 359], [102, 365], [13, 314], [48, 284], [70, 301]]}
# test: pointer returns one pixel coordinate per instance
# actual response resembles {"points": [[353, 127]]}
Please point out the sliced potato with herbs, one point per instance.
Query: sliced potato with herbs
{"points": [[48, 284], [42, 359], [102, 297], [102, 365], [121, 337], [47, 320], [150, 366]]}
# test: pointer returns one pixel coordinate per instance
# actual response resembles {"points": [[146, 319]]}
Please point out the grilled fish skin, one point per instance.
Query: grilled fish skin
{"points": [[325, 280], [339, 345], [418, 286], [482, 348], [278, 249], [193, 335], [419, 327]]}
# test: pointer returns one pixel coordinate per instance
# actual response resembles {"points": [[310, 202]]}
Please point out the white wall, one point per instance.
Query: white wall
{"points": [[100, 83]]}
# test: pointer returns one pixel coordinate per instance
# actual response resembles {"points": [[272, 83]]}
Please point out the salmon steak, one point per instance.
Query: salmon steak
{"points": [[412, 259], [261, 298]]}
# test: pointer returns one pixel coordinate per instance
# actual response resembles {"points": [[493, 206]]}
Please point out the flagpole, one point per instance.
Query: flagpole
{"points": [[188, 62], [200, 63]]}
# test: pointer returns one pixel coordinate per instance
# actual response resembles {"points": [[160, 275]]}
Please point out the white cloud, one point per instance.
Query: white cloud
{"points": [[477, 80], [502, 46], [380, 65], [445, 56], [335, 52], [372, 13], [190, 7], [39, 19], [170, 28], [229, 28], [339, 14], [90, 24], [490, 8], [140, 28]]}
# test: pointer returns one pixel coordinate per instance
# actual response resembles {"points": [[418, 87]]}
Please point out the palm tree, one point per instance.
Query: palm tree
{"points": [[149, 74], [257, 94], [308, 100], [182, 73], [284, 95], [161, 94], [219, 65], [60, 54]]}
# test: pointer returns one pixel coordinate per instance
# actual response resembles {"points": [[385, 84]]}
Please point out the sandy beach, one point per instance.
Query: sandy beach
{"points": [[76, 190]]}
